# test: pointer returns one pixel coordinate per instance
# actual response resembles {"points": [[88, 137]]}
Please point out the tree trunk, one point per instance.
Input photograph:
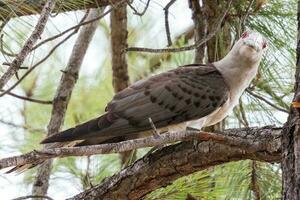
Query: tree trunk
{"points": [[200, 24], [291, 139], [118, 24]]}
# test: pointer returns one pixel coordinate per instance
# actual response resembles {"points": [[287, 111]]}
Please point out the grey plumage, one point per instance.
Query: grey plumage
{"points": [[183, 94]]}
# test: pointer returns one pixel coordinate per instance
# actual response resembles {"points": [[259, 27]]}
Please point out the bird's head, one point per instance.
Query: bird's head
{"points": [[250, 47]]}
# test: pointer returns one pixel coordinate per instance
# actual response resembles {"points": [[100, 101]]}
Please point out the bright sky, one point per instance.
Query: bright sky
{"points": [[11, 184]]}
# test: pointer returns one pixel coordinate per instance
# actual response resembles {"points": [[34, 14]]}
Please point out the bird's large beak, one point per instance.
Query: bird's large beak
{"points": [[252, 44]]}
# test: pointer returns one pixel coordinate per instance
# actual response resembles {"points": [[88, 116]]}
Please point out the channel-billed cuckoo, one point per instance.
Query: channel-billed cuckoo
{"points": [[206, 92]]}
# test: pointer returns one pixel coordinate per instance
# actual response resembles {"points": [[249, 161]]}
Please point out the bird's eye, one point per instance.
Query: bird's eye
{"points": [[245, 34], [264, 45]]}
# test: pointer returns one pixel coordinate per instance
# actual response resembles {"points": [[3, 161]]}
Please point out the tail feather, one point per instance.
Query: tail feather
{"points": [[81, 131]]}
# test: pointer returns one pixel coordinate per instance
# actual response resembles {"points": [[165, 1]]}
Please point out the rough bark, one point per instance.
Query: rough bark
{"points": [[119, 34], [163, 139], [62, 97], [14, 8], [162, 167], [291, 139], [199, 18], [118, 25]]}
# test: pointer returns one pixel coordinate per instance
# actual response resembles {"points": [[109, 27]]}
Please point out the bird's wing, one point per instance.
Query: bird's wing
{"points": [[183, 94]]}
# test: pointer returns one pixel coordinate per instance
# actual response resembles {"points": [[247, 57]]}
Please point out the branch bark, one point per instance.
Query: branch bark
{"points": [[162, 167], [200, 22], [118, 24], [63, 95], [291, 138], [163, 139]]}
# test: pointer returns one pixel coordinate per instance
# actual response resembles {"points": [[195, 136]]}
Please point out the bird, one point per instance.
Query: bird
{"points": [[203, 92], [169, 100]]}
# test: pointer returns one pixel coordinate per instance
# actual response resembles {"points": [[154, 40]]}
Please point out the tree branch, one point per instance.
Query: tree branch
{"points": [[214, 30], [162, 167], [266, 101], [62, 96], [251, 139], [200, 24], [36, 34], [167, 27]]}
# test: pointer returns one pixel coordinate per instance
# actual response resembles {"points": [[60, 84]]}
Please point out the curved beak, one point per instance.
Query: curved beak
{"points": [[252, 44]]}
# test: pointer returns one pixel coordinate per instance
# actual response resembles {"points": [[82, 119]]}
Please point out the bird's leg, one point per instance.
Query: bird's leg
{"points": [[154, 129], [156, 134], [195, 142]]}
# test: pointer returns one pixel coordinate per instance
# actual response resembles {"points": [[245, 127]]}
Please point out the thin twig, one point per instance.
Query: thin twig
{"points": [[28, 98], [155, 132], [242, 24], [37, 64], [3, 50], [36, 34], [135, 12], [214, 30], [33, 196], [115, 6], [243, 114], [266, 101], [60, 34], [167, 27], [22, 126]]}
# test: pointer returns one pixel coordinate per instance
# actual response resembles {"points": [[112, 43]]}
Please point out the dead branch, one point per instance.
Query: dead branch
{"points": [[62, 96], [22, 126], [36, 34], [167, 27], [28, 98], [229, 137], [214, 30], [34, 197], [37, 64], [162, 167], [135, 12]]}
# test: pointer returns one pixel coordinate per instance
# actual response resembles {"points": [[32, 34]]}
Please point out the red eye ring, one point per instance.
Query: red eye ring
{"points": [[264, 45], [245, 34]]}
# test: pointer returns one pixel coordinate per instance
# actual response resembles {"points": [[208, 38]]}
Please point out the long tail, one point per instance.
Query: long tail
{"points": [[92, 128]]}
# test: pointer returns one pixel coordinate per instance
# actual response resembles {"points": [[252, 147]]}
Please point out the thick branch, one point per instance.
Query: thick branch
{"points": [[229, 137], [162, 167]]}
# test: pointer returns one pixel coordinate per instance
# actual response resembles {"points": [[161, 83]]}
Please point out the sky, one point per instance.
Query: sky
{"points": [[11, 185]]}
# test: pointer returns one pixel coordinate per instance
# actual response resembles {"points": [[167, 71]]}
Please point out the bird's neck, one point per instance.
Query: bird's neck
{"points": [[238, 73]]}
